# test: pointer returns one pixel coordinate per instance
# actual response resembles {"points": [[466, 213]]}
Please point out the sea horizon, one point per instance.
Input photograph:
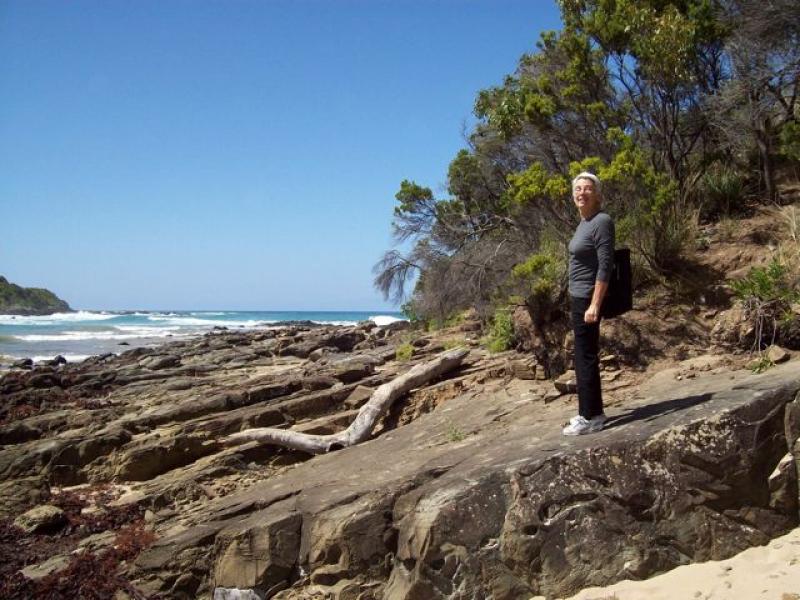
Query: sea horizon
{"points": [[83, 333]]}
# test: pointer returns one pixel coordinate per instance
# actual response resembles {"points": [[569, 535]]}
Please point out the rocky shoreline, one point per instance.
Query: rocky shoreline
{"points": [[467, 488]]}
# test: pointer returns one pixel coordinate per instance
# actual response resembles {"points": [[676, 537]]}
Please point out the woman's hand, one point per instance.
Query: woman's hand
{"points": [[592, 314]]}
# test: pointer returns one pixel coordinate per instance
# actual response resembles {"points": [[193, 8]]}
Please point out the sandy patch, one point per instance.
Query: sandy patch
{"points": [[770, 572]]}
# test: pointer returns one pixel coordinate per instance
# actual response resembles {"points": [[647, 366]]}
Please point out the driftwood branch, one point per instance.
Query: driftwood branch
{"points": [[361, 428]]}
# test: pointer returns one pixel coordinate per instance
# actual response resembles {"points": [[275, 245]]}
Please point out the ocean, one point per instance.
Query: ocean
{"points": [[78, 335]]}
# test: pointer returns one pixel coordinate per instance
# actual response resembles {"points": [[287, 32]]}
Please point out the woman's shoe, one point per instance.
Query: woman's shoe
{"points": [[580, 425]]}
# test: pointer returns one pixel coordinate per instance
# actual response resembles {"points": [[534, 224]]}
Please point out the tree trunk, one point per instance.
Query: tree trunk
{"points": [[361, 428], [763, 135]]}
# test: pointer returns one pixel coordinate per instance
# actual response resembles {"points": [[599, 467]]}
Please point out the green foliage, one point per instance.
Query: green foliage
{"points": [[404, 352], [501, 332], [762, 364], [766, 284], [651, 217], [452, 320], [455, 319], [20, 300], [663, 57], [790, 140], [722, 192], [766, 295], [410, 312], [453, 343], [455, 433], [542, 275], [536, 184], [411, 196], [626, 90]]}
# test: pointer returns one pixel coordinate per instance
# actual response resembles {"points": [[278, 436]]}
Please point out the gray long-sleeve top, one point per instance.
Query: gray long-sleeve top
{"points": [[591, 254]]}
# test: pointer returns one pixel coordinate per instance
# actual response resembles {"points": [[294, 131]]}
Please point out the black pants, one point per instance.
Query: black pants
{"points": [[587, 360]]}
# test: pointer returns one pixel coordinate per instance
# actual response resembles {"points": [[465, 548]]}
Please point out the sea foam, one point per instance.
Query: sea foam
{"points": [[383, 320], [195, 322], [124, 333], [70, 358], [55, 318]]}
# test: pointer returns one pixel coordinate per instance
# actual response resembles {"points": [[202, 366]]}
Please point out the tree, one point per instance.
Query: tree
{"points": [[665, 59], [647, 94], [760, 98]]}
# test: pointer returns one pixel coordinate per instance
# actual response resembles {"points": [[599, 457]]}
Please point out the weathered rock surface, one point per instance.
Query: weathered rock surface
{"points": [[510, 509], [566, 383], [39, 518], [468, 489]]}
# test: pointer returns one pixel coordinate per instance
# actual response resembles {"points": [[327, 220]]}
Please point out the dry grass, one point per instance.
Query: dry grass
{"points": [[788, 250]]}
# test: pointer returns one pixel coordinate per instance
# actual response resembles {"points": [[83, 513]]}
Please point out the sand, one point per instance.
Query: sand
{"points": [[771, 572]]}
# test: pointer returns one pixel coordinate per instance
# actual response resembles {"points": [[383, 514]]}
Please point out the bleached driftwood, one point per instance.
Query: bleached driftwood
{"points": [[361, 428]]}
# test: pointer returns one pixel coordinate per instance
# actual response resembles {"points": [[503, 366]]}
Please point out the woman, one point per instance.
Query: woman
{"points": [[591, 260]]}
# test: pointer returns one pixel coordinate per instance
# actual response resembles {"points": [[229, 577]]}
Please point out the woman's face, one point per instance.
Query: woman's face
{"points": [[585, 196]]}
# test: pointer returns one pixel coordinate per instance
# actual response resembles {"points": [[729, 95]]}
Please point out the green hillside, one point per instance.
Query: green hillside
{"points": [[16, 300]]}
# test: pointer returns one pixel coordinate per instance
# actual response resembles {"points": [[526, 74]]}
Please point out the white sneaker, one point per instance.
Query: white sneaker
{"points": [[601, 417], [580, 425]]}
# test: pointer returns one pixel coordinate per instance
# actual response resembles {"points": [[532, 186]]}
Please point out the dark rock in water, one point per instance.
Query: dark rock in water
{"points": [[303, 323], [25, 363], [219, 328], [58, 360], [123, 344]]}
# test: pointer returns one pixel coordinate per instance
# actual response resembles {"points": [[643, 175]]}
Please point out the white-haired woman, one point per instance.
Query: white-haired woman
{"points": [[591, 261]]}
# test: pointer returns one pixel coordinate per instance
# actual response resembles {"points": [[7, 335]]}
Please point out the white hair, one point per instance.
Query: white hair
{"points": [[591, 177]]}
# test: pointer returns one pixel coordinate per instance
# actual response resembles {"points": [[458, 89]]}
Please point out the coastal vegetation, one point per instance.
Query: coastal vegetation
{"points": [[688, 112], [17, 300], [404, 352]]}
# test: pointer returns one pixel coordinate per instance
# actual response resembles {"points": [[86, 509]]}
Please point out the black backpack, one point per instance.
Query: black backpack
{"points": [[619, 297]]}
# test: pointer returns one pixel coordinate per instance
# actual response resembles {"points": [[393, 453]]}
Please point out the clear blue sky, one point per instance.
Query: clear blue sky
{"points": [[232, 154]]}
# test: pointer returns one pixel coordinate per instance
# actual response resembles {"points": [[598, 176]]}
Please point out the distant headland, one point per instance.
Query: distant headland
{"points": [[17, 300]]}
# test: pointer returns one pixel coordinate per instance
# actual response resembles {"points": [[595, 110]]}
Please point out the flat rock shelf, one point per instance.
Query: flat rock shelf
{"points": [[466, 488]]}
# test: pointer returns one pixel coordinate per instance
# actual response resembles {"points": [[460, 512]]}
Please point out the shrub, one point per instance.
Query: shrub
{"points": [[451, 344], [767, 296], [722, 193], [541, 278], [762, 364], [650, 210], [454, 433], [726, 229], [410, 312], [404, 352], [765, 285], [501, 331], [790, 140]]}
